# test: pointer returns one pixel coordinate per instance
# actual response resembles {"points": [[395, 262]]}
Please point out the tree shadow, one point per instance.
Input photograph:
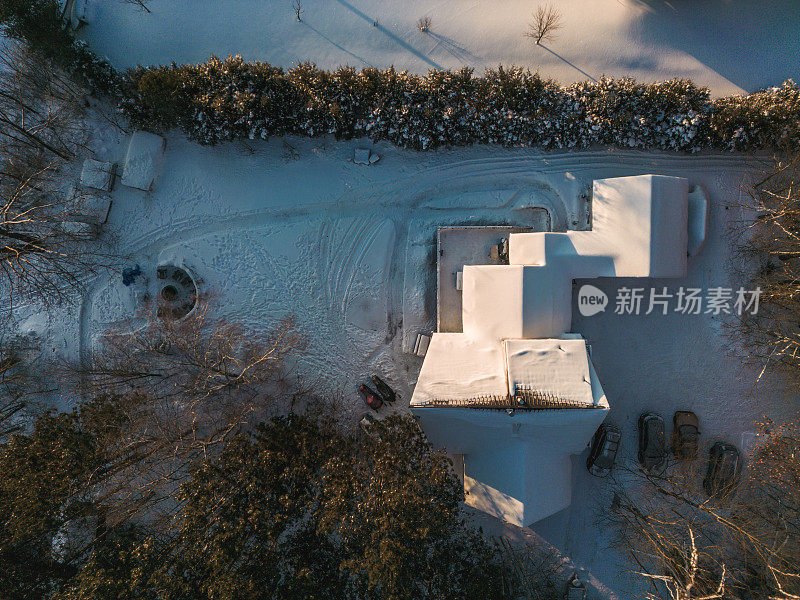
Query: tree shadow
{"points": [[751, 43], [394, 37], [578, 69], [458, 52], [337, 45]]}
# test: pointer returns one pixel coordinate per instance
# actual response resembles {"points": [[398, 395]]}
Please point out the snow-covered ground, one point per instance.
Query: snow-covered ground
{"points": [[295, 227], [728, 45]]}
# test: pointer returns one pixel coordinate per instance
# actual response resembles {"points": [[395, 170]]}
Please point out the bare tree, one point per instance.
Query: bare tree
{"points": [[298, 10], [744, 543], [686, 574], [659, 524], [40, 129], [40, 106], [546, 21], [771, 240], [165, 395], [771, 510], [424, 24]]}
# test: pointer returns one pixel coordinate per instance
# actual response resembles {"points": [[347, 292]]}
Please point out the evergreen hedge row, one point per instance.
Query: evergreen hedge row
{"points": [[229, 99]]}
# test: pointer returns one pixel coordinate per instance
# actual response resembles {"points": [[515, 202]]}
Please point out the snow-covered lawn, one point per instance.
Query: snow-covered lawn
{"points": [[728, 45], [294, 227]]}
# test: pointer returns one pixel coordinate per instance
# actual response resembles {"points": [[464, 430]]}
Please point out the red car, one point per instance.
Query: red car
{"points": [[371, 397]]}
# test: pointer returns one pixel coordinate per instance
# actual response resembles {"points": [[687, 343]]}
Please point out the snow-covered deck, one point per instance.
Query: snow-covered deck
{"points": [[457, 247]]}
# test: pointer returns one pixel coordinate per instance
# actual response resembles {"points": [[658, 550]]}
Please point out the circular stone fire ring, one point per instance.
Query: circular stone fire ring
{"points": [[177, 292]]}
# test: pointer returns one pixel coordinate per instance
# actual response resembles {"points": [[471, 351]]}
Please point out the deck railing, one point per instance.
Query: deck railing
{"points": [[522, 400]]}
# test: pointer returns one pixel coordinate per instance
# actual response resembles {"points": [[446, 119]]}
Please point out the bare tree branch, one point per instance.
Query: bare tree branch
{"points": [[40, 129], [165, 395], [545, 23], [743, 543], [769, 240]]}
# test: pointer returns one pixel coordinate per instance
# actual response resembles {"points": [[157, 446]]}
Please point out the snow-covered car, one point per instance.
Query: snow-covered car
{"points": [[685, 434], [652, 452], [604, 450], [724, 469], [371, 397]]}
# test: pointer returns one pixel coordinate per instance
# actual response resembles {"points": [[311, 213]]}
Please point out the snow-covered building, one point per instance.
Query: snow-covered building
{"points": [[515, 392]]}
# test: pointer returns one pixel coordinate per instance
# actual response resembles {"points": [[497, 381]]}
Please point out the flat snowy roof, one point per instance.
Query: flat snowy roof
{"points": [[557, 369], [639, 229], [546, 373], [515, 301]]}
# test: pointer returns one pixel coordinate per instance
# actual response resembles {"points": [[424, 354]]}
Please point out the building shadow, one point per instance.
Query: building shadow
{"points": [[751, 43]]}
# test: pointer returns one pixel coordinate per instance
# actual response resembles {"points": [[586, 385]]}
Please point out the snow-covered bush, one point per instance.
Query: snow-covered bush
{"points": [[769, 118], [228, 99]]}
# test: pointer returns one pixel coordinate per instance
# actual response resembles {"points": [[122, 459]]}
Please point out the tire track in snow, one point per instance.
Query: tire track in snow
{"points": [[343, 264], [353, 266], [408, 192], [323, 260]]}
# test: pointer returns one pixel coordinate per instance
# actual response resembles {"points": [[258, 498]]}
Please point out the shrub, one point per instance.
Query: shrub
{"points": [[769, 118], [228, 99], [232, 99]]}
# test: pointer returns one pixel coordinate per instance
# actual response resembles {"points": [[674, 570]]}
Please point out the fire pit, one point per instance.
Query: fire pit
{"points": [[177, 294]]}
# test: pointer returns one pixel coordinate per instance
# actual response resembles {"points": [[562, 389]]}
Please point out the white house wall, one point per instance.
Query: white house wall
{"points": [[524, 457]]}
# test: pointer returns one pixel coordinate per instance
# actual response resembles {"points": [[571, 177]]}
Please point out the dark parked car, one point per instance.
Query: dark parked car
{"points": [[384, 390], [652, 452], [685, 434], [724, 469], [604, 450], [371, 397]]}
